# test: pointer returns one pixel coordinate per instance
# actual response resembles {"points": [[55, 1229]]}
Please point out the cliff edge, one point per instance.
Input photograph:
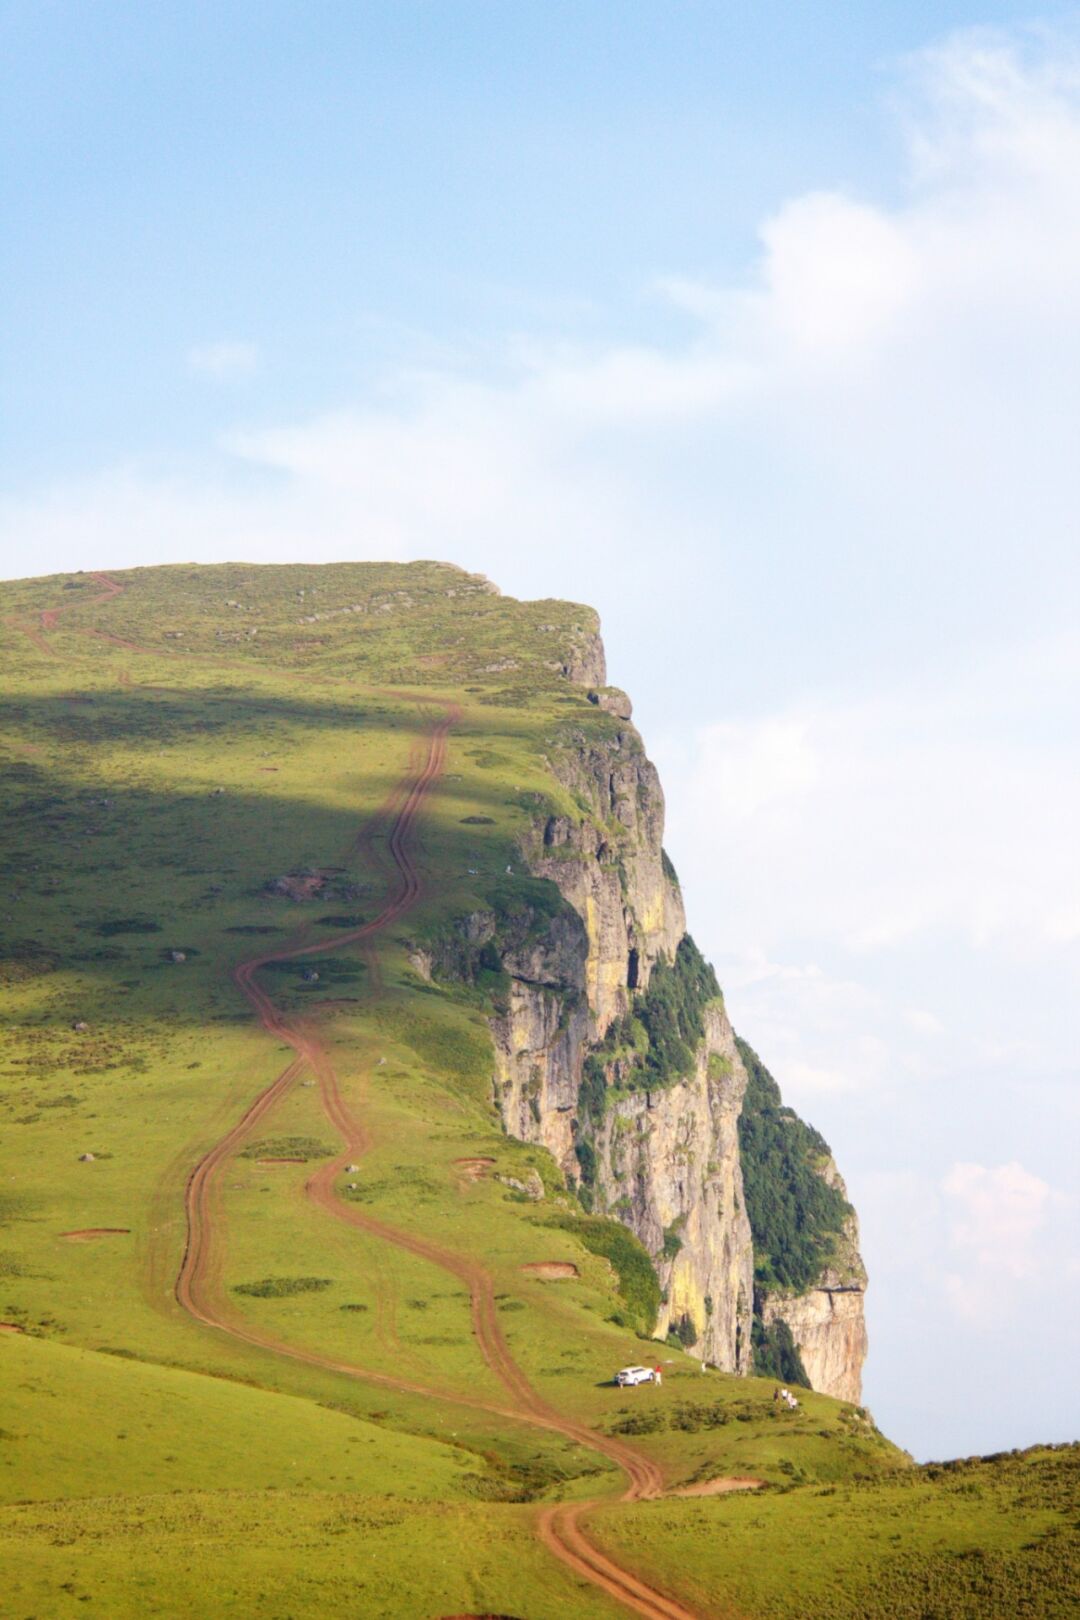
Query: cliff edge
{"points": [[613, 1049]]}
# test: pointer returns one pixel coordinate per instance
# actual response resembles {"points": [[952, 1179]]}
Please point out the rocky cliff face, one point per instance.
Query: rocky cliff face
{"points": [[664, 1159], [828, 1322], [609, 865], [668, 1166]]}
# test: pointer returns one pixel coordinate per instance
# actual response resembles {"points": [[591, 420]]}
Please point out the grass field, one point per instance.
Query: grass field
{"points": [[202, 768], [975, 1539]]}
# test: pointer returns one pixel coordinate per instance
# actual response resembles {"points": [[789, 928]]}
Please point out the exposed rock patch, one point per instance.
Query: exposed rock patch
{"points": [[473, 1169], [719, 1487]]}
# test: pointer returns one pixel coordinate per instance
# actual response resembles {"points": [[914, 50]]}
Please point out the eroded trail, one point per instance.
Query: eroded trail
{"points": [[558, 1526], [48, 617], [197, 1286]]}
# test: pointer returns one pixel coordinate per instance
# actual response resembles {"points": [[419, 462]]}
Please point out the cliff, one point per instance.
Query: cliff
{"points": [[614, 1051]]}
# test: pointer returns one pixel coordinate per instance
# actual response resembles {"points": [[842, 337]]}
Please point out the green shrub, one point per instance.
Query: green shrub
{"points": [[672, 1013], [776, 1355], [638, 1285], [585, 1154], [128, 925], [282, 1287], [287, 1147], [672, 1243], [686, 1330]]}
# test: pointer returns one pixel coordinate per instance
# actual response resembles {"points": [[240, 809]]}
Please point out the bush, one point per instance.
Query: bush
{"points": [[685, 1330], [287, 1147], [776, 1355], [671, 1011], [655, 1044], [638, 1284], [282, 1287]]}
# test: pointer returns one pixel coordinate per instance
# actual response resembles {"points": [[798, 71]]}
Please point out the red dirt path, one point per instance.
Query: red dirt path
{"points": [[558, 1527]]}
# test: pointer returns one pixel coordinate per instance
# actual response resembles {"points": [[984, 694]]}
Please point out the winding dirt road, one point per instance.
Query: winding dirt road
{"points": [[558, 1526], [197, 1285]]}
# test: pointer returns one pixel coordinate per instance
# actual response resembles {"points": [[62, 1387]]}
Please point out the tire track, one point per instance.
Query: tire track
{"points": [[48, 617]]}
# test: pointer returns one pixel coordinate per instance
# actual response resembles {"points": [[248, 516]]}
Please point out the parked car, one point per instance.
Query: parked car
{"points": [[634, 1375]]}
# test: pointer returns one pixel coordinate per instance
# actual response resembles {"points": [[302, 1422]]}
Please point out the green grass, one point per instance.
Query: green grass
{"points": [[283, 1556], [81, 1424], [151, 801], [977, 1539]]}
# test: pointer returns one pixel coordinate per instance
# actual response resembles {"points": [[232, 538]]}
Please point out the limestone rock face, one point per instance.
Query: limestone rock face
{"points": [[613, 700], [668, 1165], [829, 1327], [618, 885], [828, 1323], [667, 1160], [538, 1070]]}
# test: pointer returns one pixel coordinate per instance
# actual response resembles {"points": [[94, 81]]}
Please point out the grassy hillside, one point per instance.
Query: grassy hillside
{"points": [[233, 798], [960, 1541]]}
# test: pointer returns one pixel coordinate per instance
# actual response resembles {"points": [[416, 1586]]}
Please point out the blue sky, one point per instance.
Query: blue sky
{"points": [[755, 326], [332, 179]]}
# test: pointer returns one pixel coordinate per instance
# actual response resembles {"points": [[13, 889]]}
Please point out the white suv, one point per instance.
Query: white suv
{"points": [[634, 1375]]}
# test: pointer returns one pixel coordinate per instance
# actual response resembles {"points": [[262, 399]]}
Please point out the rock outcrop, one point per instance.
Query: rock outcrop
{"points": [[668, 1166], [666, 1159], [609, 865], [828, 1321], [661, 1156], [829, 1329]]}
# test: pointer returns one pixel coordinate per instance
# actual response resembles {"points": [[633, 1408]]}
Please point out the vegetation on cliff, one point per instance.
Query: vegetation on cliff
{"points": [[776, 1355], [655, 1044], [796, 1217], [637, 1281]]}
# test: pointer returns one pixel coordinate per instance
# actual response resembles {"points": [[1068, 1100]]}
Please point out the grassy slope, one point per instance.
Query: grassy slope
{"points": [[150, 796], [986, 1537]]}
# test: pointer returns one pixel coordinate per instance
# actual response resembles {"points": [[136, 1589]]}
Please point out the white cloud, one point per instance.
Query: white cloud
{"points": [[913, 812], [996, 1213], [907, 372], [1010, 1234], [987, 1241], [224, 361]]}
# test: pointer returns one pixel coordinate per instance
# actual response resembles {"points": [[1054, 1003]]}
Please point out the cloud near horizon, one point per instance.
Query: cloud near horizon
{"points": [[906, 366]]}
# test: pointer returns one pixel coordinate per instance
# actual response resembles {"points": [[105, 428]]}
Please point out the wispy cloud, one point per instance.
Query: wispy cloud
{"points": [[225, 361]]}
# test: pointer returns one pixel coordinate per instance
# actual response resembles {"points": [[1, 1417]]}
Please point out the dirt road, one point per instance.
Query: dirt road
{"points": [[559, 1527]]}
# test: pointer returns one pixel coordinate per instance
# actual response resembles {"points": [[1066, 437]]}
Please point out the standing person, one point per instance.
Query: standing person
{"points": [[657, 1376]]}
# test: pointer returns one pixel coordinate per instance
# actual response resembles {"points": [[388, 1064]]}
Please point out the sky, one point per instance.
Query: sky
{"points": [[755, 326]]}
